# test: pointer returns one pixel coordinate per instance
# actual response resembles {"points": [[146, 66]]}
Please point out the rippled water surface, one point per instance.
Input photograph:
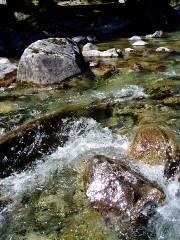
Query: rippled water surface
{"points": [[46, 200]]}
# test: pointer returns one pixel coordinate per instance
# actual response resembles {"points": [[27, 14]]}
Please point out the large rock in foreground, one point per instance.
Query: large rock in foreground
{"points": [[50, 61], [112, 186]]}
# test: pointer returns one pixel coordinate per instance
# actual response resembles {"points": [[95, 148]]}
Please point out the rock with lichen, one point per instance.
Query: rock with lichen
{"points": [[50, 61]]}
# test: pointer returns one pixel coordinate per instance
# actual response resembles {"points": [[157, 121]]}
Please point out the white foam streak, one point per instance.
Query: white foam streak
{"points": [[172, 73], [86, 138], [125, 94], [166, 221]]}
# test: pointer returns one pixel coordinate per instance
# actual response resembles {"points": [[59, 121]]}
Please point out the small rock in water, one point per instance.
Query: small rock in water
{"points": [[8, 72], [79, 39], [135, 66], [93, 64], [91, 50], [161, 68], [91, 39], [157, 34], [129, 50], [140, 43], [163, 49], [89, 46], [135, 38], [20, 16], [4, 60]]}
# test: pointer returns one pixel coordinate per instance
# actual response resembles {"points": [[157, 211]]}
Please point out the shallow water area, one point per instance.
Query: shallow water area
{"points": [[46, 199]]}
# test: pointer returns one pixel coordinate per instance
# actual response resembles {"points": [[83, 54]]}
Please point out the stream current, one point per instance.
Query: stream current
{"points": [[46, 200]]}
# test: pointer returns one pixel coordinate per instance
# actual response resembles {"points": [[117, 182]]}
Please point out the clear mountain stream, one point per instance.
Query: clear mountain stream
{"points": [[97, 112]]}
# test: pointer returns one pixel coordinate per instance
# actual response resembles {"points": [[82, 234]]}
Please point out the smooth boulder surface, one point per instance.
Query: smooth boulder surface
{"points": [[50, 61], [156, 145]]}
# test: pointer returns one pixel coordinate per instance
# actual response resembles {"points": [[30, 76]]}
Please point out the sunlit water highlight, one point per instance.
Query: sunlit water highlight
{"points": [[88, 138]]}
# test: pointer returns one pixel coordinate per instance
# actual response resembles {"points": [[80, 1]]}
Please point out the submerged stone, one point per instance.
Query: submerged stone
{"points": [[103, 70], [163, 89], [129, 50], [156, 145]]}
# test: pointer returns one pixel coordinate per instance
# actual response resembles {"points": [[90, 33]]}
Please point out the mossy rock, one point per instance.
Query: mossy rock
{"points": [[163, 89]]}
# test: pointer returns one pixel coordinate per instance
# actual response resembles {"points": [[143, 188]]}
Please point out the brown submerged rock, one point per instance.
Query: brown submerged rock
{"points": [[156, 145], [113, 187]]}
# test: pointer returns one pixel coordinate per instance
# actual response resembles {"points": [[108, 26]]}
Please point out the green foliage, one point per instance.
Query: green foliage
{"points": [[175, 2]]}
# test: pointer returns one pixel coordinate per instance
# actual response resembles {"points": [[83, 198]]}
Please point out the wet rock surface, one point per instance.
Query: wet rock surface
{"points": [[120, 194], [41, 194], [156, 145], [112, 186]]}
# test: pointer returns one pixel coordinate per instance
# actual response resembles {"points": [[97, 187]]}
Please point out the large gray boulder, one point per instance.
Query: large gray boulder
{"points": [[50, 61]]}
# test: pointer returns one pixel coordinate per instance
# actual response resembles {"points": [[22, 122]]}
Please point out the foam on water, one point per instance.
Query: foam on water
{"points": [[172, 73], [2, 130], [166, 221], [165, 224], [86, 138], [127, 93]]}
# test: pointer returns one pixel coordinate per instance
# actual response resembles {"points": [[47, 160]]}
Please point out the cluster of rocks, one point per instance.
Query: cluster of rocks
{"points": [[91, 50], [137, 41], [52, 60], [112, 187]]}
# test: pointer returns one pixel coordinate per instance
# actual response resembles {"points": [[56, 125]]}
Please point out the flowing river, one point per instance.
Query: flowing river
{"points": [[43, 197]]}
